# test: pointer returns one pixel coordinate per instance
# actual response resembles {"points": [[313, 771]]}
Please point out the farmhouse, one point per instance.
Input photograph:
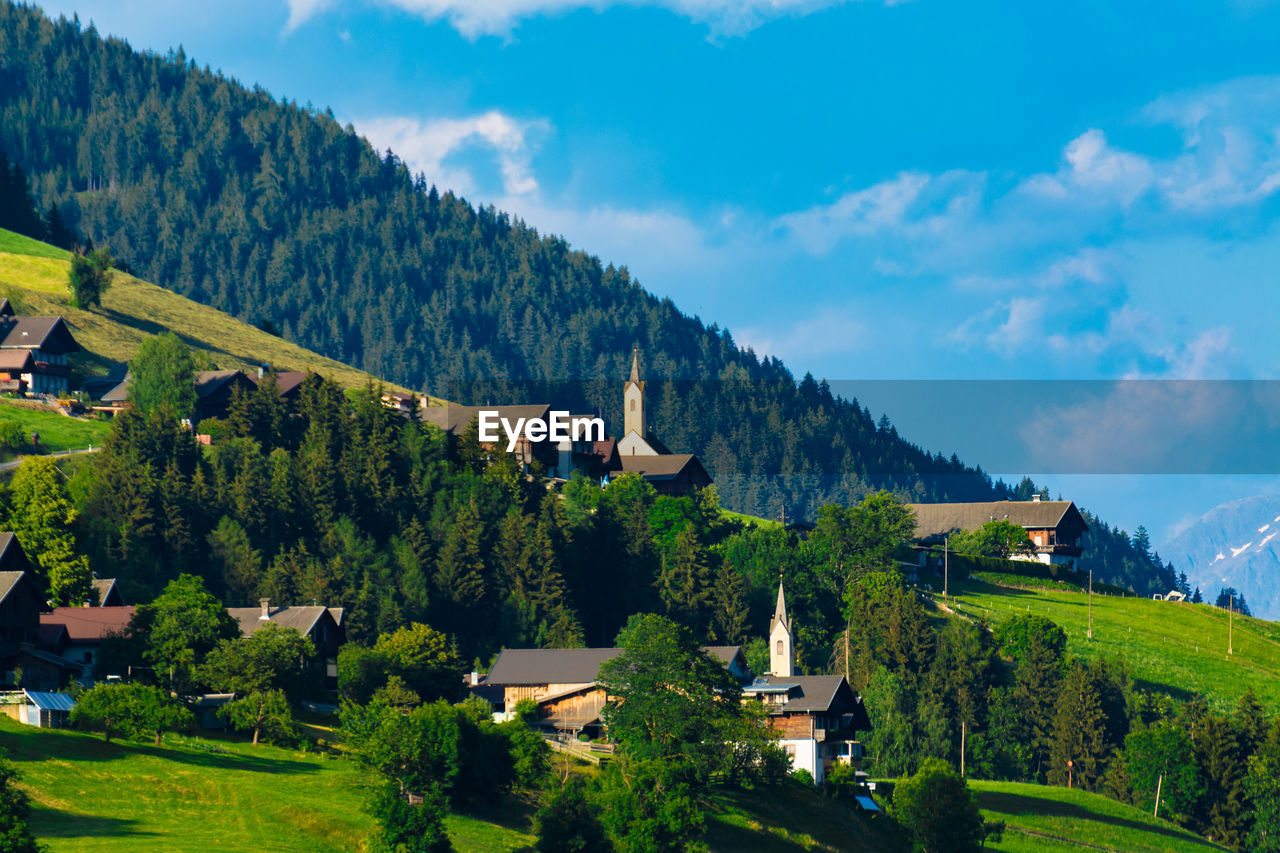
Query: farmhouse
{"points": [[33, 353], [1056, 528], [563, 683]]}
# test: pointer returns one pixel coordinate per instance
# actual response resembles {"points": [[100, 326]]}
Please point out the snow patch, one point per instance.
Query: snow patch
{"points": [[1267, 539], [1236, 552], [1220, 556], [1263, 528]]}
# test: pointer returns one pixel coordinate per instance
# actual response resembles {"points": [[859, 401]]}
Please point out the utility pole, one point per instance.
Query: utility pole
{"points": [[1090, 634], [962, 733], [1159, 785], [946, 569], [1231, 612]]}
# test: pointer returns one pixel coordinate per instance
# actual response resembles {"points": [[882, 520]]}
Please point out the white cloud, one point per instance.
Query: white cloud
{"points": [[831, 331], [428, 145], [474, 18], [1095, 170]]}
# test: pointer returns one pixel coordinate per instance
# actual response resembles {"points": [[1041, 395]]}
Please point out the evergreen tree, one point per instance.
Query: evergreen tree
{"points": [[41, 515], [162, 377], [1080, 746]]}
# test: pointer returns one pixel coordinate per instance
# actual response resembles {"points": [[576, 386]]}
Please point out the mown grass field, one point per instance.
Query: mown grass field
{"points": [[1176, 648], [200, 795], [33, 275], [1049, 819], [57, 432]]}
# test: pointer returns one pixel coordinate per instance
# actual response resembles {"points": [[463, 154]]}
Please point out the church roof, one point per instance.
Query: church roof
{"points": [[664, 467], [780, 612]]}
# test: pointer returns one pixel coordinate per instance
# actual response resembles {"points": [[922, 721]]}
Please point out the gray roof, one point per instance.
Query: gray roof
{"points": [[16, 360], [50, 701], [453, 419], [40, 333], [568, 666], [301, 619], [941, 519], [662, 467], [11, 552], [812, 692]]}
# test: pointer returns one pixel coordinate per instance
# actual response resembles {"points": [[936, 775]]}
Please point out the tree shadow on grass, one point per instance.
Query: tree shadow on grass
{"points": [[51, 823], [1178, 693], [510, 812], [42, 744], [1025, 804]]}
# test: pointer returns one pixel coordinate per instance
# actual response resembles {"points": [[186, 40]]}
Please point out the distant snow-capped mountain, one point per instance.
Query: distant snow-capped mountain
{"points": [[1235, 544]]}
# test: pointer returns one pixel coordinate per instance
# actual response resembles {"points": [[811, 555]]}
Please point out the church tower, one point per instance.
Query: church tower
{"points": [[633, 401], [780, 657]]}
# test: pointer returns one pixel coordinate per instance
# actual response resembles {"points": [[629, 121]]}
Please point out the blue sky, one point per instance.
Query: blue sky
{"points": [[865, 189]]}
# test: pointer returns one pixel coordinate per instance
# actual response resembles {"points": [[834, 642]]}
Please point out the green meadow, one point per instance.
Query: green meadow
{"points": [[1171, 647], [57, 431], [33, 276], [1041, 818]]}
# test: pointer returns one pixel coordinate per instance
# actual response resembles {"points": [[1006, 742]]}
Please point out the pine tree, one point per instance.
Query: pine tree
{"points": [[1080, 747], [42, 516], [729, 605], [684, 585]]}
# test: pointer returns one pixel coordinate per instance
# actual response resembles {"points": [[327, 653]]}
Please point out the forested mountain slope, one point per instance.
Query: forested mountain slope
{"points": [[271, 211]]}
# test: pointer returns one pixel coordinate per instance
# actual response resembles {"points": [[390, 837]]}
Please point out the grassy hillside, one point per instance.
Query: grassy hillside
{"points": [[199, 795], [33, 275], [1042, 818], [1167, 646], [57, 431]]}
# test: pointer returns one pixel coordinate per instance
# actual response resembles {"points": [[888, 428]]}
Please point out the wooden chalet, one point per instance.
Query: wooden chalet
{"points": [[562, 682], [1056, 528]]}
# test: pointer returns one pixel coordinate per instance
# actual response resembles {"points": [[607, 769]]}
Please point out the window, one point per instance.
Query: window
{"points": [[779, 647], [633, 405]]}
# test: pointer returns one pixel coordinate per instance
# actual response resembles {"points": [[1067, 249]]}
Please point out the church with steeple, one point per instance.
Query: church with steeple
{"points": [[640, 451]]}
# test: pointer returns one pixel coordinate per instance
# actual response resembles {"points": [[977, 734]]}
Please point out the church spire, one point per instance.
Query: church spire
{"points": [[635, 365], [633, 415], [780, 610], [781, 661]]}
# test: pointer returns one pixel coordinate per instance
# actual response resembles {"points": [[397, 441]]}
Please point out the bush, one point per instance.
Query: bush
{"points": [[804, 777], [567, 821], [134, 710], [15, 837], [12, 436]]}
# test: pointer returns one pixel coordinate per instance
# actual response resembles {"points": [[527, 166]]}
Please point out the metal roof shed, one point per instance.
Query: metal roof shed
{"points": [[47, 710]]}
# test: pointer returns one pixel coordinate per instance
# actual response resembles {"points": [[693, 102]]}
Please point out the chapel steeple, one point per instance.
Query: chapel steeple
{"points": [[780, 652], [633, 415]]}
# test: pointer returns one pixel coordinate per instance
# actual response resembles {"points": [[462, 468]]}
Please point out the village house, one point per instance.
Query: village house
{"points": [[563, 684], [818, 718], [33, 353], [77, 633], [322, 625], [1056, 528]]}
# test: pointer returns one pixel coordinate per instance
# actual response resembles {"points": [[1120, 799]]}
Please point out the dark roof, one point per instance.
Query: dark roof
{"points": [[821, 694], [89, 624], [452, 419], [6, 310], [666, 467], [289, 381], [209, 381], [46, 333], [941, 519], [97, 386], [53, 635], [16, 360], [568, 666], [301, 619]]}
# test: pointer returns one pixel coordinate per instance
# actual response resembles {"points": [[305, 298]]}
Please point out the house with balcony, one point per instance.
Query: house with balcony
{"points": [[33, 353], [1056, 528]]}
